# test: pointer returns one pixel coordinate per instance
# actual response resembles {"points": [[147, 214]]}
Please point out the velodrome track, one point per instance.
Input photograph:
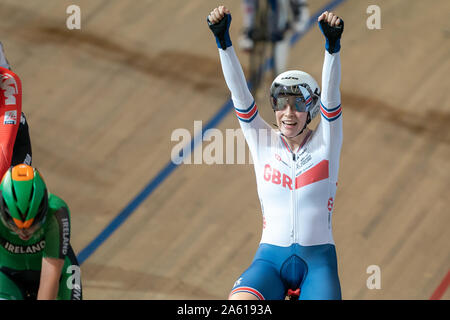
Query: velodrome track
{"points": [[102, 103]]}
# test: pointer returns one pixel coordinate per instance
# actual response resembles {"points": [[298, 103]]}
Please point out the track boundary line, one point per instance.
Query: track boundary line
{"points": [[442, 287]]}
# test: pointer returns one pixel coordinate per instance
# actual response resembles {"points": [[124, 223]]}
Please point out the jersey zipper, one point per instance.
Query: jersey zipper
{"points": [[294, 219], [294, 202]]}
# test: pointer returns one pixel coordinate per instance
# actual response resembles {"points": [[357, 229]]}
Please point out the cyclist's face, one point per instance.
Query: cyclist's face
{"points": [[290, 121], [25, 234]]}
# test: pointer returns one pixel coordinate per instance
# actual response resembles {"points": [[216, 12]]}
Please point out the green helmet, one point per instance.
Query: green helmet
{"points": [[24, 198]]}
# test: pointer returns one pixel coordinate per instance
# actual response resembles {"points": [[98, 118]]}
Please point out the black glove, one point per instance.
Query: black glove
{"points": [[332, 35], [221, 31]]}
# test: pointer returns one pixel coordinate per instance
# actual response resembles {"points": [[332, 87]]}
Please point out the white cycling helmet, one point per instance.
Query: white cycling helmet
{"points": [[294, 82]]}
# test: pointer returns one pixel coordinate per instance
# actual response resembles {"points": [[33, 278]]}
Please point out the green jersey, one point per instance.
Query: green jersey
{"points": [[51, 240]]}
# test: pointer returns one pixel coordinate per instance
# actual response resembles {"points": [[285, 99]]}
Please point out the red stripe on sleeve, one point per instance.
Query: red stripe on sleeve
{"points": [[247, 115], [330, 114]]}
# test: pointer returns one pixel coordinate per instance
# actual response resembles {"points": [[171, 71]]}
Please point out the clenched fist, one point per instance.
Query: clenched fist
{"points": [[219, 21], [217, 14]]}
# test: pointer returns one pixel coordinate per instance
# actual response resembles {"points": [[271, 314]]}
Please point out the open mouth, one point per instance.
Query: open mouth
{"points": [[24, 236], [289, 124]]}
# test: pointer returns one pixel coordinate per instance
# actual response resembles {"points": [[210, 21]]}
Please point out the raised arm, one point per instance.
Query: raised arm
{"points": [[330, 101], [10, 111], [3, 61], [219, 21], [332, 27], [21, 150]]}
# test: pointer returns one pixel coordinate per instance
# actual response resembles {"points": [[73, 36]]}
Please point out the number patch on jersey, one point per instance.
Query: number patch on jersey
{"points": [[10, 117]]}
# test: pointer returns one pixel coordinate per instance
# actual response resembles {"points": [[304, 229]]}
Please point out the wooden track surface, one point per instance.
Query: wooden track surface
{"points": [[103, 101]]}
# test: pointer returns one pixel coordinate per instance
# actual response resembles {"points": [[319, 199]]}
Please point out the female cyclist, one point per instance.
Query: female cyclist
{"points": [[296, 170], [36, 258], [14, 133]]}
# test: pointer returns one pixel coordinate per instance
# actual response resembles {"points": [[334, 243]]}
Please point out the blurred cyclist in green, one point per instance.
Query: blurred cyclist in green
{"points": [[36, 258]]}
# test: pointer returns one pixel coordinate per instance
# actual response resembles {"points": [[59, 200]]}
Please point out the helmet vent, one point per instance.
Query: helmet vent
{"points": [[22, 198], [31, 193], [43, 207], [14, 193], [23, 216]]}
